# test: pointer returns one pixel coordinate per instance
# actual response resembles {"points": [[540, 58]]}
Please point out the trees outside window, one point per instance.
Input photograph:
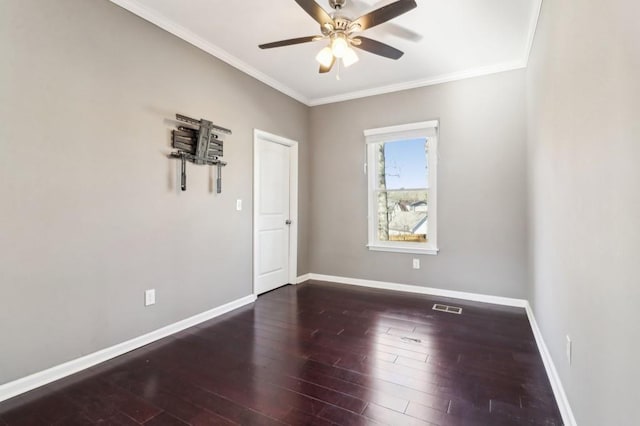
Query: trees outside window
{"points": [[401, 164]]}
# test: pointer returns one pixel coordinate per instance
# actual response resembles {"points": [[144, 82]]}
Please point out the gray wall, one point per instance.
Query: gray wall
{"points": [[90, 211], [481, 186], [583, 96], [91, 214]]}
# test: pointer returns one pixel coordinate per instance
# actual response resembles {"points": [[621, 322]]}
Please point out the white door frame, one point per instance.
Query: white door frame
{"points": [[293, 202]]}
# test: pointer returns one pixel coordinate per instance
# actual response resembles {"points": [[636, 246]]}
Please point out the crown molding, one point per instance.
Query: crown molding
{"points": [[192, 38], [197, 41], [533, 26], [445, 78]]}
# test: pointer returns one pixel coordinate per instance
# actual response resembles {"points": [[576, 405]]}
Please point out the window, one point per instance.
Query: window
{"points": [[401, 170]]}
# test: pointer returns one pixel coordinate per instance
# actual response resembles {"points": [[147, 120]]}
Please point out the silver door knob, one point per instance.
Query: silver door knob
{"points": [[287, 222]]}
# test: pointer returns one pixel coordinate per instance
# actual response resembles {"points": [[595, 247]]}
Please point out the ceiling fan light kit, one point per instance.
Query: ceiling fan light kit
{"points": [[339, 45], [350, 57], [325, 56], [342, 32]]}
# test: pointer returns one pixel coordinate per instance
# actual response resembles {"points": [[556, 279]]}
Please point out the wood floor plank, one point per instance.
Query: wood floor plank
{"points": [[297, 417], [391, 417], [165, 419], [317, 354]]}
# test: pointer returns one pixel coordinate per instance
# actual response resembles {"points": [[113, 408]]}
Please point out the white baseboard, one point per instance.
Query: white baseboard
{"points": [[33, 381], [558, 390], [497, 300], [303, 278], [552, 373], [25, 384]]}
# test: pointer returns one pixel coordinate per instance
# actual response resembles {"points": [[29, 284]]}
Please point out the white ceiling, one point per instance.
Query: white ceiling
{"points": [[459, 39]]}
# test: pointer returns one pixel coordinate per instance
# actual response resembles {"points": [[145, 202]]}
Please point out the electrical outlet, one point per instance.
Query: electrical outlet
{"points": [[238, 205], [416, 263], [568, 348], [150, 297]]}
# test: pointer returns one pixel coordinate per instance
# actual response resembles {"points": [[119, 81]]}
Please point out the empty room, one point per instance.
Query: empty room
{"points": [[319, 212]]}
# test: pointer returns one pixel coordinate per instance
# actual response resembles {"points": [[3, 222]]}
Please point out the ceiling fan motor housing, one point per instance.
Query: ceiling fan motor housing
{"points": [[342, 24]]}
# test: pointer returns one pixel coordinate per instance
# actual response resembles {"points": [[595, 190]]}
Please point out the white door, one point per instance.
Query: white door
{"points": [[273, 211]]}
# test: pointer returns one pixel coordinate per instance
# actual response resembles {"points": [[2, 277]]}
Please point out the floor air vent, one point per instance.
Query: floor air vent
{"points": [[448, 309]]}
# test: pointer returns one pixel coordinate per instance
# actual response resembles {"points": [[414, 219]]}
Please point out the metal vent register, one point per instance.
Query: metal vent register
{"points": [[448, 309]]}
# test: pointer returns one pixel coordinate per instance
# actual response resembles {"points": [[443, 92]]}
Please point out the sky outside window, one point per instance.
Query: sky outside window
{"points": [[406, 164]]}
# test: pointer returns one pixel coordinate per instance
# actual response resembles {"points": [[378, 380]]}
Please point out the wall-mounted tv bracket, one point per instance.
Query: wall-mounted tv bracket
{"points": [[200, 142]]}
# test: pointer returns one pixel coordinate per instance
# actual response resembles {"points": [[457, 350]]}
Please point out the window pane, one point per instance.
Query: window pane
{"points": [[401, 167], [403, 164], [402, 216]]}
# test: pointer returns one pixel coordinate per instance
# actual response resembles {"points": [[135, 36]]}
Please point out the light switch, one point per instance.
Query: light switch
{"points": [[150, 297]]}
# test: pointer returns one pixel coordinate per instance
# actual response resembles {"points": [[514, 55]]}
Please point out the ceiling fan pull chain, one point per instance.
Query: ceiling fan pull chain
{"points": [[338, 69]]}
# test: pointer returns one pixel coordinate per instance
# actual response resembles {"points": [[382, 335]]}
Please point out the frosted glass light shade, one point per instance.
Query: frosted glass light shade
{"points": [[350, 57], [339, 46], [325, 56]]}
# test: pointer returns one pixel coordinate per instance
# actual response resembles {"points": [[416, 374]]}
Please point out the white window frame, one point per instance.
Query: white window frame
{"points": [[424, 129]]}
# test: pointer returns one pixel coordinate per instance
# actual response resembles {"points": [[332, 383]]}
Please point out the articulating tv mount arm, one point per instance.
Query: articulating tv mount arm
{"points": [[200, 143]]}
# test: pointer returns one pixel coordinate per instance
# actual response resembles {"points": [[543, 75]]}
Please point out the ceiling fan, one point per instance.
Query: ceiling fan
{"points": [[343, 33]]}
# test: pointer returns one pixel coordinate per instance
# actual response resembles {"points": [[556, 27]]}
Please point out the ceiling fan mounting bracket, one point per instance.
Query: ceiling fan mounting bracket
{"points": [[337, 4]]}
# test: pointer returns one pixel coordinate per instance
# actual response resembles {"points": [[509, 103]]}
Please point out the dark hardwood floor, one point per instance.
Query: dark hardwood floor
{"points": [[316, 354]]}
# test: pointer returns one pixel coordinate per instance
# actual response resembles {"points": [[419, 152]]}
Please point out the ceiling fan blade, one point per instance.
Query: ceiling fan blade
{"points": [[378, 48], [385, 13], [288, 42], [402, 32], [391, 28], [324, 69], [315, 11]]}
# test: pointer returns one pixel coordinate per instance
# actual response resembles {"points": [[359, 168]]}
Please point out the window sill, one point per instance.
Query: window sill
{"points": [[404, 249]]}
